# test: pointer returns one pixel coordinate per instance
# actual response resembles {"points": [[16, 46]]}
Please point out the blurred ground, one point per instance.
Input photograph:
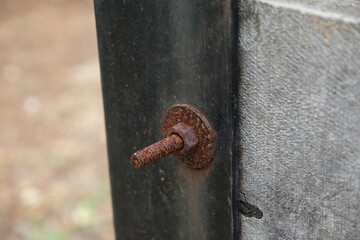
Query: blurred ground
{"points": [[53, 167]]}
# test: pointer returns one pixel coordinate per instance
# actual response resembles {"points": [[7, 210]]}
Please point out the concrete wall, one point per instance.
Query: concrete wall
{"points": [[300, 118]]}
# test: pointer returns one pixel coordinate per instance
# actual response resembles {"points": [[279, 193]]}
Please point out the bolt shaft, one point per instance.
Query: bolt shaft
{"points": [[157, 150]]}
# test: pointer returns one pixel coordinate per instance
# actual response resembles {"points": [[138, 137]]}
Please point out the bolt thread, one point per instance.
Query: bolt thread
{"points": [[157, 150]]}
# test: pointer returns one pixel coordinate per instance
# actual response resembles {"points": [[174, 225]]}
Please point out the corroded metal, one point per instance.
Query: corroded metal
{"points": [[188, 135], [204, 152], [157, 150]]}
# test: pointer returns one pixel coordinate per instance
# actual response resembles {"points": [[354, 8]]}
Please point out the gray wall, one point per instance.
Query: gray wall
{"points": [[300, 118]]}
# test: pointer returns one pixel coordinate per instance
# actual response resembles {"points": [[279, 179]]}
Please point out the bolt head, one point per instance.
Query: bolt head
{"points": [[188, 136]]}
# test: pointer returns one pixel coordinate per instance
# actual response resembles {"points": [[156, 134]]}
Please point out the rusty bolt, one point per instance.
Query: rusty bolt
{"points": [[180, 138], [188, 135]]}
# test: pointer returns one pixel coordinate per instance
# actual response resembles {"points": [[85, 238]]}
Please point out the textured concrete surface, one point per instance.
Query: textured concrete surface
{"points": [[344, 10], [300, 118]]}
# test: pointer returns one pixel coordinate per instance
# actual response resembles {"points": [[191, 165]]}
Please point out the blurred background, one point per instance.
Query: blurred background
{"points": [[54, 182]]}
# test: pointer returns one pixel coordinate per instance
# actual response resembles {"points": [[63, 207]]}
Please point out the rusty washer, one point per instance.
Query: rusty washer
{"points": [[203, 154], [188, 135]]}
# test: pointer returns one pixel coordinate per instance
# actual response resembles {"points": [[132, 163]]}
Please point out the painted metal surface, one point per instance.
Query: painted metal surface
{"points": [[300, 115], [155, 54]]}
